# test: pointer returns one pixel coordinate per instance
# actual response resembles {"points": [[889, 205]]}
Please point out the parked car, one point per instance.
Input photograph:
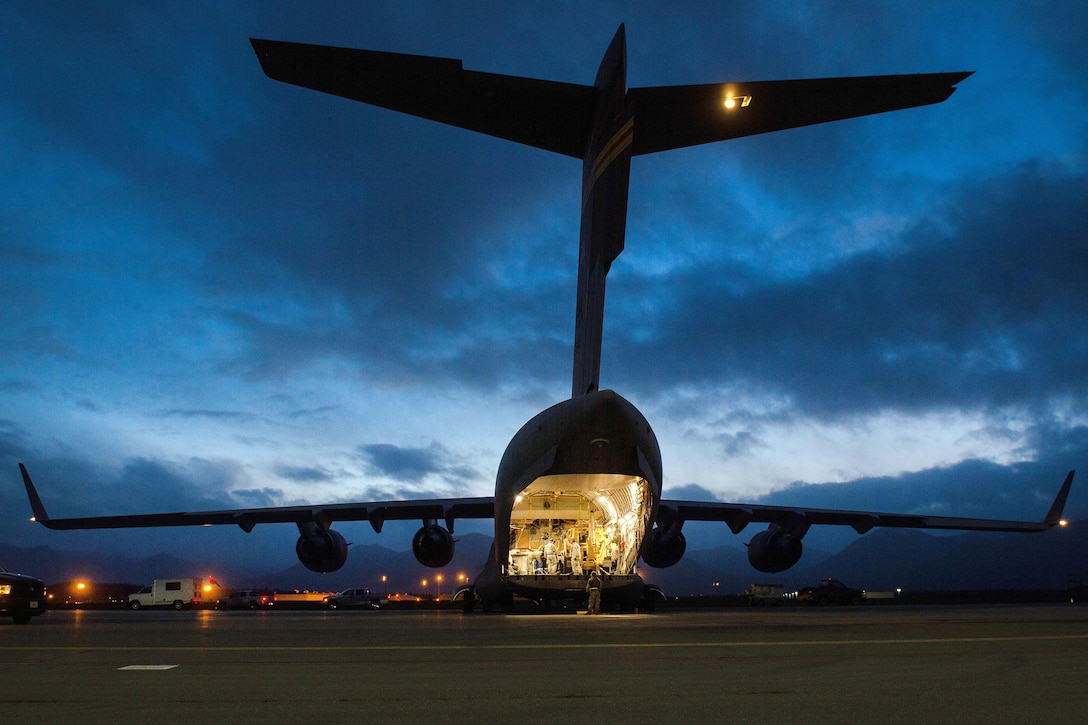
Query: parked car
{"points": [[21, 597], [830, 591], [354, 597], [248, 599]]}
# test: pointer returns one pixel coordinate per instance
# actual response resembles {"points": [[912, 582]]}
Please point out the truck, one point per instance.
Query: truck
{"points": [[830, 591], [179, 593], [759, 594], [354, 597], [21, 596]]}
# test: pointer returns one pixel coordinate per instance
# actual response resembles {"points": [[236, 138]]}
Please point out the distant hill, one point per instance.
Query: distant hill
{"points": [[883, 559], [366, 565], [52, 565], [919, 561]]}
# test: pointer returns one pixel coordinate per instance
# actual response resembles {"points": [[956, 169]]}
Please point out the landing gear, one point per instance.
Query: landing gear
{"points": [[468, 604]]}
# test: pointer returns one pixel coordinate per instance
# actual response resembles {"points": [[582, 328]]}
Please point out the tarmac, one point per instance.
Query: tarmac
{"points": [[963, 664]]}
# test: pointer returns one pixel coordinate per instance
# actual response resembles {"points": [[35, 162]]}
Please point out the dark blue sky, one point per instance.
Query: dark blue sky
{"points": [[218, 290]]}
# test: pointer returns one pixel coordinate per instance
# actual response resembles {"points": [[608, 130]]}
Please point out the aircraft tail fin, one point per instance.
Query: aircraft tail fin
{"points": [[546, 114], [669, 117], [36, 505], [1054, 515]]}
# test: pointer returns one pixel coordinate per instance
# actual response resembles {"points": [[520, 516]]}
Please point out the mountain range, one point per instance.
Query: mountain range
{"points": [[884, 559]]}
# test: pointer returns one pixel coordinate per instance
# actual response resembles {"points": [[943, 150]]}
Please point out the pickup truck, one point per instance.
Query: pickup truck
{"points": [[830, 591], [354, 597], [21, 596]]}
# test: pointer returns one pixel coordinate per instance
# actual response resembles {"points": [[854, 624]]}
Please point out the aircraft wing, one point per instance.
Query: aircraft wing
{"points": [[377, 513], [545, 114], [737, 516], [669, 117]]}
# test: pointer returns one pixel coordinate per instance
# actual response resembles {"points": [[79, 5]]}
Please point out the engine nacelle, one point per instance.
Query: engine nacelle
{"points": [[664, 547], [433, 545], [321, 550], [774, 550]]}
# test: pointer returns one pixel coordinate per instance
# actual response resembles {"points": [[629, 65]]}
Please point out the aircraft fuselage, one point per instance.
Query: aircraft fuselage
{"points": [[577, 489]]}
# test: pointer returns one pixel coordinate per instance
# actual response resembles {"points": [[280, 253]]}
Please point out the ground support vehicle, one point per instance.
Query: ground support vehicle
{"points": [[354, 597], [248, 599], [830, 591], [759, 594], [21, 597], [179, 593]]}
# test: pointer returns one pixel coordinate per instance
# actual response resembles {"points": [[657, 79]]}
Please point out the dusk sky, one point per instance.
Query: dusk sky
{"points": [[217, 290]]}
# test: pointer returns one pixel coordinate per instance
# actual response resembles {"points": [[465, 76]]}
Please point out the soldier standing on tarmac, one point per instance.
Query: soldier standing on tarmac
{"points": [[593, 587]]}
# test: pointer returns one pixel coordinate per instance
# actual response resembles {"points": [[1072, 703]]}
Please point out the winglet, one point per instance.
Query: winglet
{"points": [[1054, 515], [36, 505]]}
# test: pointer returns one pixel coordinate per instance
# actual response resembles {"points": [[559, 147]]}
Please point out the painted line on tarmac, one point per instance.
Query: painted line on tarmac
{"points": [[559, 646], [146, 668]]}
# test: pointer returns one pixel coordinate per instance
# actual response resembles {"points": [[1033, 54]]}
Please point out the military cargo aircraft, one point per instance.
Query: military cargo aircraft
{"points": [[579, 487]]}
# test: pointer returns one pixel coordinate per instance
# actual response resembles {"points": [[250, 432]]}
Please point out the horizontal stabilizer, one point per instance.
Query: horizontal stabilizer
{"points": [[545, 114], [669, 117]]}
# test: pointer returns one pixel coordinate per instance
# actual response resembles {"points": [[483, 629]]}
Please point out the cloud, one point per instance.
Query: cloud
{"points": [[413, 465], [961, 311], [301, 474], [691, 492], [258, 497]]}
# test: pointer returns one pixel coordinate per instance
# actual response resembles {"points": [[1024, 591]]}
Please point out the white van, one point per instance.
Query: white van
{"points": [[178, 593]]}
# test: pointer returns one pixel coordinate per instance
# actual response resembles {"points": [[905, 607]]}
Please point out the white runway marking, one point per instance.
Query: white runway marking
{"points": [[148, 668]]}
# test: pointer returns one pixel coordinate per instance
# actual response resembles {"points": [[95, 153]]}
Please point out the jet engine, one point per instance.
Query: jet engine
{"points": [[321, 550], [775, 549], [432, 545], [664, 546]]}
